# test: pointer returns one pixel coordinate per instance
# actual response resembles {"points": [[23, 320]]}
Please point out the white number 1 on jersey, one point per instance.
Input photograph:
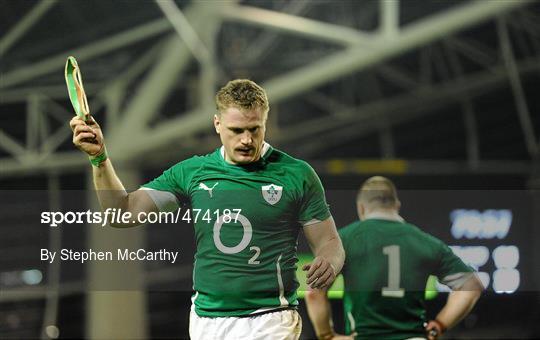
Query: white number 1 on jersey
{"points": [[394, 273]]}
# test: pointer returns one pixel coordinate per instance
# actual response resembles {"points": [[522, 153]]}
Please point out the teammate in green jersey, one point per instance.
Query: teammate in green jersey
{"points": [[249, 202], [387, 264]]}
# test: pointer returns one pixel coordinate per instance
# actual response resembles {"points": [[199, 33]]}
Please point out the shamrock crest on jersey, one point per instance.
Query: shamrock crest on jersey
{"points": [[205, 187], [272, 193]]}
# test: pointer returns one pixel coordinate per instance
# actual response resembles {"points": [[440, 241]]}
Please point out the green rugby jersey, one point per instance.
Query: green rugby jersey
{"points": [[245, 264], [386, 268]]}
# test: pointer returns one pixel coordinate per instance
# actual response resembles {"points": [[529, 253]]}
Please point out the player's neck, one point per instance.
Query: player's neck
{"points": [[384, 214]]}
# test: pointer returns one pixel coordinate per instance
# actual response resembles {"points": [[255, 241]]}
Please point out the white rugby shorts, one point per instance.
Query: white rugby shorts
{"points": [[279, 325]]}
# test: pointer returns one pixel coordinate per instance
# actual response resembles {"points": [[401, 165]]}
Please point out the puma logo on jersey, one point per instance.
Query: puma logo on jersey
{"points": [[205, 187]]}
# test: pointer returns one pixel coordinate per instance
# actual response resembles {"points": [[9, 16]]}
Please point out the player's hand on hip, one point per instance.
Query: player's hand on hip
{"points": [[434, 329], [320, 273], [87, 136]]}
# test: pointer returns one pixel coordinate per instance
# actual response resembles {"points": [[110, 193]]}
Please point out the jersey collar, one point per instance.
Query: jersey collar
{"points": [[379, 215], [266, 151]]}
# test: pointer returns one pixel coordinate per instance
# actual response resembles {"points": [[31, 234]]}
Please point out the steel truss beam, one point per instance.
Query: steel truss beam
{"points": [[159, 83], [353, 59], [92, 50], [517, 89], [297, 25], [409, 37], [28, 158], [330, 68], [469, 119], [52, 91], [331, 131], [25, 24], [184, 29], [265, 41], [389, 17]]}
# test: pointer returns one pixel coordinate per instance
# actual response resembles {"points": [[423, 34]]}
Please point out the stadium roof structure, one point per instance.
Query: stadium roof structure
{"points": [[418, 80]]}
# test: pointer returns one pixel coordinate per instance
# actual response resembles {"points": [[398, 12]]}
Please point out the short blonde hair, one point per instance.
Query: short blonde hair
{"points": [[242, 94], [378, 191]]}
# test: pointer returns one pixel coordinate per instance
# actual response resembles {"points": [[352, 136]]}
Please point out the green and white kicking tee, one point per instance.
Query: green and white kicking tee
{"points": [[249, 217]]}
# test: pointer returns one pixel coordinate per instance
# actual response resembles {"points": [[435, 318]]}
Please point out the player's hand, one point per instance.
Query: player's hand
{"points": [[87, 136], [320, 273], [434, 329]]}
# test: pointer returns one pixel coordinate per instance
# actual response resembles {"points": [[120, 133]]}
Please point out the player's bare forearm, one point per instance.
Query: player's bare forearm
{"points": [[332, 250], [112, 194], [88, 137], [110, 190], [329, 254], [460, 302], [320, 313]]}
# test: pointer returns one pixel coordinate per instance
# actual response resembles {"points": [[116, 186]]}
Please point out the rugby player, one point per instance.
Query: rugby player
{"points": [[253, 201], [387, 264]]}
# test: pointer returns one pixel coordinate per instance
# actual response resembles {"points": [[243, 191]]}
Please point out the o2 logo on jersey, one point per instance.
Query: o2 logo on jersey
{"points": [[272, 193], [246, 238]]}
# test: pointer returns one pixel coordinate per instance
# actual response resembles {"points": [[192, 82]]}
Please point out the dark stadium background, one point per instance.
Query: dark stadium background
{"points": [[452, 113]]}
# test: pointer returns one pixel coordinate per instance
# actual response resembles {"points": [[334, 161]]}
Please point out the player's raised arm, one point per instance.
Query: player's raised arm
{"points": [[88, 137], [329, 254], [460, 302]]}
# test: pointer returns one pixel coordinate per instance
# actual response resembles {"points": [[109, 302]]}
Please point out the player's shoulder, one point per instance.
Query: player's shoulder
{"points": [[349, 228], [414, 229], [192, 165], [298, 166], [280, 156], [424, 236], [192, 161], [199, 160], [401, 229]]}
